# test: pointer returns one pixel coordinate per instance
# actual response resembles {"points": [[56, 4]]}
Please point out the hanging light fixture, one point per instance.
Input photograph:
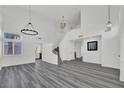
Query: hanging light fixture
{"points": [[29, 28], [109, 24], [62, 23]]}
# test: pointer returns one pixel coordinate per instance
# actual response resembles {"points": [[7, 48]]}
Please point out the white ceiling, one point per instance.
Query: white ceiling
{"points": [[53, 12]]}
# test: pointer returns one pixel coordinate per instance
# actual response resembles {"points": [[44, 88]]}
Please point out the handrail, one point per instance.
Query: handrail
{"points": [[56, 52]]}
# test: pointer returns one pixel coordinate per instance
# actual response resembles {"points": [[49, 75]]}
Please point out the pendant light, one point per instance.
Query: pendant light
{"points": [[29, 28], [62, 23], [109, 24]]}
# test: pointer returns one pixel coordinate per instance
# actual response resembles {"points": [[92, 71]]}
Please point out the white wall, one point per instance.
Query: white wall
{"points": [[93, 19], [14, 19], [66, 50], [77, 48], [95, 25], [27, 56], [11, 23], [47, 54], [68, 45], [111, 48], [38, 50], [73, 34], [0, 40], [122, 44], [91, 56], [0, 49]]}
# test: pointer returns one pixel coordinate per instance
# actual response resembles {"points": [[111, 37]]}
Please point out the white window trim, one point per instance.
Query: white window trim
{"points": [[13, 42]]}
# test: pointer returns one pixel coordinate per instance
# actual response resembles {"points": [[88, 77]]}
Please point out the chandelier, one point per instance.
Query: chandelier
{"points": [[109, 24], [62, 23], [29, 28]]}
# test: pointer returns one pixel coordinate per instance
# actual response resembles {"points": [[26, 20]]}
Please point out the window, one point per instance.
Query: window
{"points": [[11, 36], [8, 48], [17, 48], [12, 44]]}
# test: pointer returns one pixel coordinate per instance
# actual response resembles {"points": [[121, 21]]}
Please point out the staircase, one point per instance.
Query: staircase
{"points": [[64, 36], [56, 49], [56, 52]]}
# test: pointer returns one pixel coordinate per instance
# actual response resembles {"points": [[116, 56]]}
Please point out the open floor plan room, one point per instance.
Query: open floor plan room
{"points": [[61, 46]]}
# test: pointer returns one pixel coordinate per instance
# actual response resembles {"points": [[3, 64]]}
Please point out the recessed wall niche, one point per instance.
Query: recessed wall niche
{"points": [[92, 46]]}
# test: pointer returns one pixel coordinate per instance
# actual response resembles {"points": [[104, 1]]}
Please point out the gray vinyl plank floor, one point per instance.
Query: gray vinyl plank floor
{"points": [[70, 74]]}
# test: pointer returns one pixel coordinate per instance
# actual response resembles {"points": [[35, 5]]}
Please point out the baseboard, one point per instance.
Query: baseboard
{"points": [[68, 60], [51, 62], [6, 65], [91, 62], [121, 78], [79, 58], [115, 67], [37, 59]]}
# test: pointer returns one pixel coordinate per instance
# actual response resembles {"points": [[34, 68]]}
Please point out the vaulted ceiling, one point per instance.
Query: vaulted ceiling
{"points": [[54, 12]]}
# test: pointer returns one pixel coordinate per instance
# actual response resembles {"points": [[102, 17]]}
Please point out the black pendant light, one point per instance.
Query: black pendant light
{"points": [[109, 24], [29, 28]]}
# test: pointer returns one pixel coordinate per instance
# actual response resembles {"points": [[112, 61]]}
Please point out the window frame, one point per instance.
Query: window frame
{"points": [[13, 45]]}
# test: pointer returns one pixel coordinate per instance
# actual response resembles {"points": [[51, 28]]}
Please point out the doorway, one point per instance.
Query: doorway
{"points": [[38, 52], [77, 49]]}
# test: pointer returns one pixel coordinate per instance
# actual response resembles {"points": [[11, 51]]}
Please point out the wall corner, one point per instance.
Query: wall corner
{"points": [[0, 68], [122, 78]]}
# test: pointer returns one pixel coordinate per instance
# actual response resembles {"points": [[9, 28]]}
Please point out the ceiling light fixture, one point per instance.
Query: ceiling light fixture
{"points": [[29, 28], [62, 23], [109, 24]]}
